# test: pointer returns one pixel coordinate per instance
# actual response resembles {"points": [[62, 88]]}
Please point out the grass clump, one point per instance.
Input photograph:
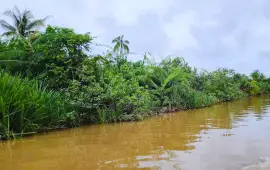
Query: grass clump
{"points": [[27, 107]]}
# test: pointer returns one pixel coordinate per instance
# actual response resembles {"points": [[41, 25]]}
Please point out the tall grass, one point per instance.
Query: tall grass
{"points": [[203, 100], [27, 107]]}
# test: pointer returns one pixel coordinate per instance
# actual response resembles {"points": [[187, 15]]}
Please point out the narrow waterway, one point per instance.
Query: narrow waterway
{"points": [[228, 136]]}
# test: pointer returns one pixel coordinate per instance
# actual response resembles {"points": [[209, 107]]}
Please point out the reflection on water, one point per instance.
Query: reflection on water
{"points": [[228, 136], [263, 164]]}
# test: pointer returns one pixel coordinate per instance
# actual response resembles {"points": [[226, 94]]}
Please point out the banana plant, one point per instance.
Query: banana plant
{"points": [[162, 83]]}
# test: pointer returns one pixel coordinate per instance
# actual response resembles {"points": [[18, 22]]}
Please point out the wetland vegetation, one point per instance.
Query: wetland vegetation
{"points": [[52, 79]]}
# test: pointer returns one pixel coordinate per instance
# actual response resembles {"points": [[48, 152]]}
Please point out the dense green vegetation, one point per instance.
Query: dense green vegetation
{"points": [[51, 80], [26, 106]]}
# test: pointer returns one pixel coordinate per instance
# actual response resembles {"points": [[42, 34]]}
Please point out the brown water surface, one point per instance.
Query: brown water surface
{"points": [[228, 136]]}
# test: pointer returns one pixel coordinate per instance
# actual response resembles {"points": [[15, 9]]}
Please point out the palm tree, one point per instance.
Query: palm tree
{"points": [[24, 23], [121, 45]]}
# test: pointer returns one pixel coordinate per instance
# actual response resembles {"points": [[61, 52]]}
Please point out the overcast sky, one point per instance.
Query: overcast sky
{"points": [[207, 33]]}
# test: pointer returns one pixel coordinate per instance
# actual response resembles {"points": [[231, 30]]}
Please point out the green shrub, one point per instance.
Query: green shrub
{"points": [[203, 100], [255, 89], [108, 99], [27, 107], [222, 84]]}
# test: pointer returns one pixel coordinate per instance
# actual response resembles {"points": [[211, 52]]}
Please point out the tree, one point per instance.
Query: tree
{"points": [[58, 54], [257, 75], [54, 56], [24, 23], [121, 45]]}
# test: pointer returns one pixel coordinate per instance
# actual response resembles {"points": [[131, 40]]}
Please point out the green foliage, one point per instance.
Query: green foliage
{"points": [[104, 94], [257, 76], [101, 88], [202, 100], [108, 88], [27, 107], [222, 85], [255, 89], [54, 56], [60, 54]]}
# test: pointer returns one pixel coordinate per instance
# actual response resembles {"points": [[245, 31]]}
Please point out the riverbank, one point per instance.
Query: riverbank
{"points": [[30, 106], [123, 118], [52, 80], [188, 140]]}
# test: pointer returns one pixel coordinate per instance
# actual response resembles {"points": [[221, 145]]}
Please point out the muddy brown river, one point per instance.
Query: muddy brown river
{"points": [[227, 136]]}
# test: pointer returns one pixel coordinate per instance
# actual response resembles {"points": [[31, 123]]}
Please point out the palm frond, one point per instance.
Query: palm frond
{"points": [[142, 79], [11, 58], [27, 14], [15, 17], [7, 26], [13, 62], [126, 48], [8, 13], [100, 58], [116, 40], [168, 90], [176, 75], [18, 13], [147, 60], [11, 54], [152, 84], [162, 74], [36, 23], [116, 47], [169, 79], [126, 42], [10, 34]]}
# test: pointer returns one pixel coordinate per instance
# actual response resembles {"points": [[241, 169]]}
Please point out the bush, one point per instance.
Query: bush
{"points": [[255, 89], [108, 99], [203, 100], [27, 107]]}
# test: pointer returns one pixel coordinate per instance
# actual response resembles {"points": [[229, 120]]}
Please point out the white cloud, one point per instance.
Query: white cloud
{"points": [[127, 13], [178, 31]]}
